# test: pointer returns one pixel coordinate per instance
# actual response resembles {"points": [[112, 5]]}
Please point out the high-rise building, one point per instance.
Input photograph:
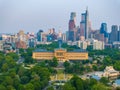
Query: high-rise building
{"points": [[64, 38], [84, 24], [39, 35], [114, 33], [119, 34], [72, 27], [103, 28]]}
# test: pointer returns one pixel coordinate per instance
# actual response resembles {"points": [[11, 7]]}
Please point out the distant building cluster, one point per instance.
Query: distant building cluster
{"points": [[81, 36]]}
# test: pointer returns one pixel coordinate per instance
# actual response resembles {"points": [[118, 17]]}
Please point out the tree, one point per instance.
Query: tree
{"points": [[54, 62], [24, 79], [21, 71], [77, 82], [68, 86], [117, 65], [93, 81], [86, 84], [51, 88], [8, 81], [117, 88], [13, 55], [99, 86], [107, 61], [29, 86], [10, 87], [21, 87], [37, 84], [66, 64], [28, 59], [95, 68], [2, 87], [29, 51], [4, 67], [104, 80]]}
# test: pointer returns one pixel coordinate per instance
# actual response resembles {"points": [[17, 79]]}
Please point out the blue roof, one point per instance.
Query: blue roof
{"points": [[78, 50], [44, 50], [41, 50]]}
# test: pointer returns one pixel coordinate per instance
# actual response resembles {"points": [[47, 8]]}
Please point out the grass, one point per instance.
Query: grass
{"points": [[60, 75]]}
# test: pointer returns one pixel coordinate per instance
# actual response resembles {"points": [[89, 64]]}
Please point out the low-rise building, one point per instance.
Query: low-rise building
{"points": [[110, 72], [1, 45], [61, 54], [9, 47], [98, 45]]}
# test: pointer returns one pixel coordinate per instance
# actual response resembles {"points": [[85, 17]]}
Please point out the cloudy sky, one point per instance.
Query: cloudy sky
{"points": [[32, 15]]}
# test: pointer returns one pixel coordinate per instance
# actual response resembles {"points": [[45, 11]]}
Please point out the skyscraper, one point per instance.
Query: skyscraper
{"points": [[114, 33], [119, 34], [72, 26], [84, 24], [103, 30], [39, 35]]}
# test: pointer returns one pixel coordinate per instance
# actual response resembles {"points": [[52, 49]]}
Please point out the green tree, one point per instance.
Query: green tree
{"points": [[77, 82], [5, 67], [93, 81], [13, 55], [66, 64], [8, 81], [10, 87], [54, 62], [21, 87], [68, 86], [107, 61], [50, 88], [2, 87], [117, 88], [37, 84], [95, 68], [28, 59], [117, 65], [29, 86], [24, 79], [104, 80], [99, 86]]}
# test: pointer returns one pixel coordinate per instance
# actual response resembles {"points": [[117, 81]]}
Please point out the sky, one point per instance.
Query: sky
{"points": [[33, 15]]}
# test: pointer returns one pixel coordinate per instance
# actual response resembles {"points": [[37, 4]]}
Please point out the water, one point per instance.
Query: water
{"points": [[95, 77], [117, 81]]}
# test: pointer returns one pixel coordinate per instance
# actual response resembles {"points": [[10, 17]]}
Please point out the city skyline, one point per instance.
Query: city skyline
{"points": [[32, 15]]}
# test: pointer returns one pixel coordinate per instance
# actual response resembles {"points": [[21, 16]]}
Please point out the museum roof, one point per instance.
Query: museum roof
{"points": [[41, 50], [78, 50], [44, 50]]}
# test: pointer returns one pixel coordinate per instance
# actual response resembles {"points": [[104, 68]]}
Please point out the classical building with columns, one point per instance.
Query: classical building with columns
{"points": [[61, 54]]}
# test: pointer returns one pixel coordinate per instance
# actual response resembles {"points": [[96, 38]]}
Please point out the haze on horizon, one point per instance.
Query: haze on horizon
{"points": [[32, 15]]}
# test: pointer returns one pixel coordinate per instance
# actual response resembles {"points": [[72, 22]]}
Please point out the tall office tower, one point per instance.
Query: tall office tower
{"points": [[119, 34], [114, 34], [72, 26], [64, 37], [84, 24], [103, 30], [39, 35]]}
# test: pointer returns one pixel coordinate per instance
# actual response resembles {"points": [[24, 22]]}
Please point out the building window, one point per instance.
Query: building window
{"points": [[59, 54]]}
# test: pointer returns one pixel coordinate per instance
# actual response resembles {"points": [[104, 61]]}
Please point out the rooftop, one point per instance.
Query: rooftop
{"points": [[41, 50], [44, 50], [78, 50]]}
